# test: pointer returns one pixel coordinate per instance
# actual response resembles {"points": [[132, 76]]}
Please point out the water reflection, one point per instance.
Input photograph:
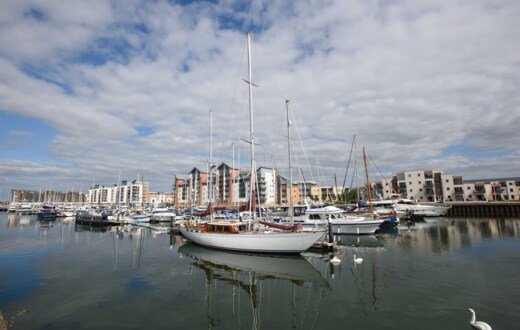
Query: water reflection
{"points": [[440, 235], [246, 272], [129, 277]]}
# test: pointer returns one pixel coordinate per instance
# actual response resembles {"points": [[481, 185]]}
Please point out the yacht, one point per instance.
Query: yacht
{"points": [[403, 205], [239, 236], [163, 214], [341, 223]]}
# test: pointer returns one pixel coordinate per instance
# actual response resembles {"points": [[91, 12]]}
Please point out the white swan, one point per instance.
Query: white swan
{"points": [[357, 260], [478, 324], [335, 261]]}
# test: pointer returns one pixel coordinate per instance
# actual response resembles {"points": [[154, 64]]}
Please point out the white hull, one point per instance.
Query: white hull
{"points": [[140, 219], [355, 226], [258, 241], [163, 217], [423, 210]]}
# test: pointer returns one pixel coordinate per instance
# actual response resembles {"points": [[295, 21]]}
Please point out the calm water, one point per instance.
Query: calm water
{"points": [[424, 276]]}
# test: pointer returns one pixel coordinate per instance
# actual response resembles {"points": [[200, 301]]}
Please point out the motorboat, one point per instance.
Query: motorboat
{"points": [[47, 212], [163, 215]]}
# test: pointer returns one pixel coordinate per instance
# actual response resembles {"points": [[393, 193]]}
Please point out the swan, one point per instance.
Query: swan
{"points": [[478, 324], [357, 260], [335, 261]]}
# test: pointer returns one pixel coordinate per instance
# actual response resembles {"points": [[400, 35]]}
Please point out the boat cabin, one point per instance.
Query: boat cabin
{"points": [[224, 227]]}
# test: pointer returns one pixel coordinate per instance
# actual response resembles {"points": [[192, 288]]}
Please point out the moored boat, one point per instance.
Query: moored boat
{"points": [[234, 236]]}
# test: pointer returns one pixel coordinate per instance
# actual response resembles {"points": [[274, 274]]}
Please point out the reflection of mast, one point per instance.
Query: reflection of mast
{"points": [[374, 280], [246, 273], [139, 251], [114, 237]]}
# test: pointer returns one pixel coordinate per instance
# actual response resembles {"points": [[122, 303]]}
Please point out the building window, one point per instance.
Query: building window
{"points": [[511, 190], [420, 182], [386, 184], [448, 188], [469, 188], [410, 183], [411, 190], [447, 181], [409, 175], [419, 174], [420, 189]]}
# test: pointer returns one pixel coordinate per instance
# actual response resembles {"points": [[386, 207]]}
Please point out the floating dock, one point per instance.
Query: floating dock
{"points": [[485, 209]]}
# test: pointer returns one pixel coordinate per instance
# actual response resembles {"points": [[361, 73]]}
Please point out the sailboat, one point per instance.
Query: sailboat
{"points": [[239, 236]]}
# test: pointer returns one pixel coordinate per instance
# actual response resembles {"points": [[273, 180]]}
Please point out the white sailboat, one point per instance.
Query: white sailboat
{"points": [[236, 236]]}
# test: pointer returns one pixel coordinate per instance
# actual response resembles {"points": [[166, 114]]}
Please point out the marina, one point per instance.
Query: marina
{"points": [[259, 165], [426, 273]]}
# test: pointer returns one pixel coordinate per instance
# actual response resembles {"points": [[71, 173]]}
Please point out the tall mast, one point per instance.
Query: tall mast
{"points": [[356, 169], [210, 163], [251, 128], [232, 174], [368, 180], [118, 193], [291, 203]]}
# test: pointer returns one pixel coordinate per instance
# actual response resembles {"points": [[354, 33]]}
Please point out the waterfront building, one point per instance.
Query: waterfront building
{"points": [[46, 196], [267, 186], [131, 193], [25, 196], [230, 187], [161, 199], [436, 186]]}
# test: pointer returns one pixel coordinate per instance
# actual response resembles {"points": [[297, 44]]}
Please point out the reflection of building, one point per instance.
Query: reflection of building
{"points": [[445, 236], [436, 186], [134, 193]]}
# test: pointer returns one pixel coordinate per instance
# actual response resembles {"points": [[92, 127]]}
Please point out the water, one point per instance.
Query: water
{"points": [[424, 276]]}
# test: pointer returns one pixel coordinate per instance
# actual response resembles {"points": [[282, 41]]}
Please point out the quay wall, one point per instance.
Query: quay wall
{"points": [[484, 209]]}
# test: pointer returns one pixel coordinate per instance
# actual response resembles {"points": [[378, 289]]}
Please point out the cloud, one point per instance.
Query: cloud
{"points": [[410, 79]]}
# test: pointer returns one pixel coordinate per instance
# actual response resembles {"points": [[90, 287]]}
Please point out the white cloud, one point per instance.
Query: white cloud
{"points": [[411, 79]]}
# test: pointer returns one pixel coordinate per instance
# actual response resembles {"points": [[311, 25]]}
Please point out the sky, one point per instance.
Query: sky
{"points": [[91, 88]]}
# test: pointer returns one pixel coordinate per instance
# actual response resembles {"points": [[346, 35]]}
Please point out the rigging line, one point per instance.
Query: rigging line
{"points": [[302, 175], [348, 163], [232, 104], [301, 143], [373, 162]]}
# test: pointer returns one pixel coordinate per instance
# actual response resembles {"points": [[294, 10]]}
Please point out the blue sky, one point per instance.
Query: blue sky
{"points": [[25, 138], [88, 88]]}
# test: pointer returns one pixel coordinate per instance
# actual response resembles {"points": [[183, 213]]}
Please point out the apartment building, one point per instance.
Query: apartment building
{"points": [[46, 196], [161, 198], [131, 193], [267, 185], [436, 186]]}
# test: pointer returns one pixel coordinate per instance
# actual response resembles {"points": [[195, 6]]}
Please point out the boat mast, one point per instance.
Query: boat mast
{"points": [[118, 194], [356, 169], [251, 129], [210, 194], [367, 179], [291, 203]]}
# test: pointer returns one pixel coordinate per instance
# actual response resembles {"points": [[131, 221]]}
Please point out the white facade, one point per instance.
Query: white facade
{"points": [[130, 194], [267, 185]]}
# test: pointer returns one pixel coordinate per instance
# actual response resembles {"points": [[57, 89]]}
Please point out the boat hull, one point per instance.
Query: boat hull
{"points": [[355, 227], [424, 210], [259, 242]]}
